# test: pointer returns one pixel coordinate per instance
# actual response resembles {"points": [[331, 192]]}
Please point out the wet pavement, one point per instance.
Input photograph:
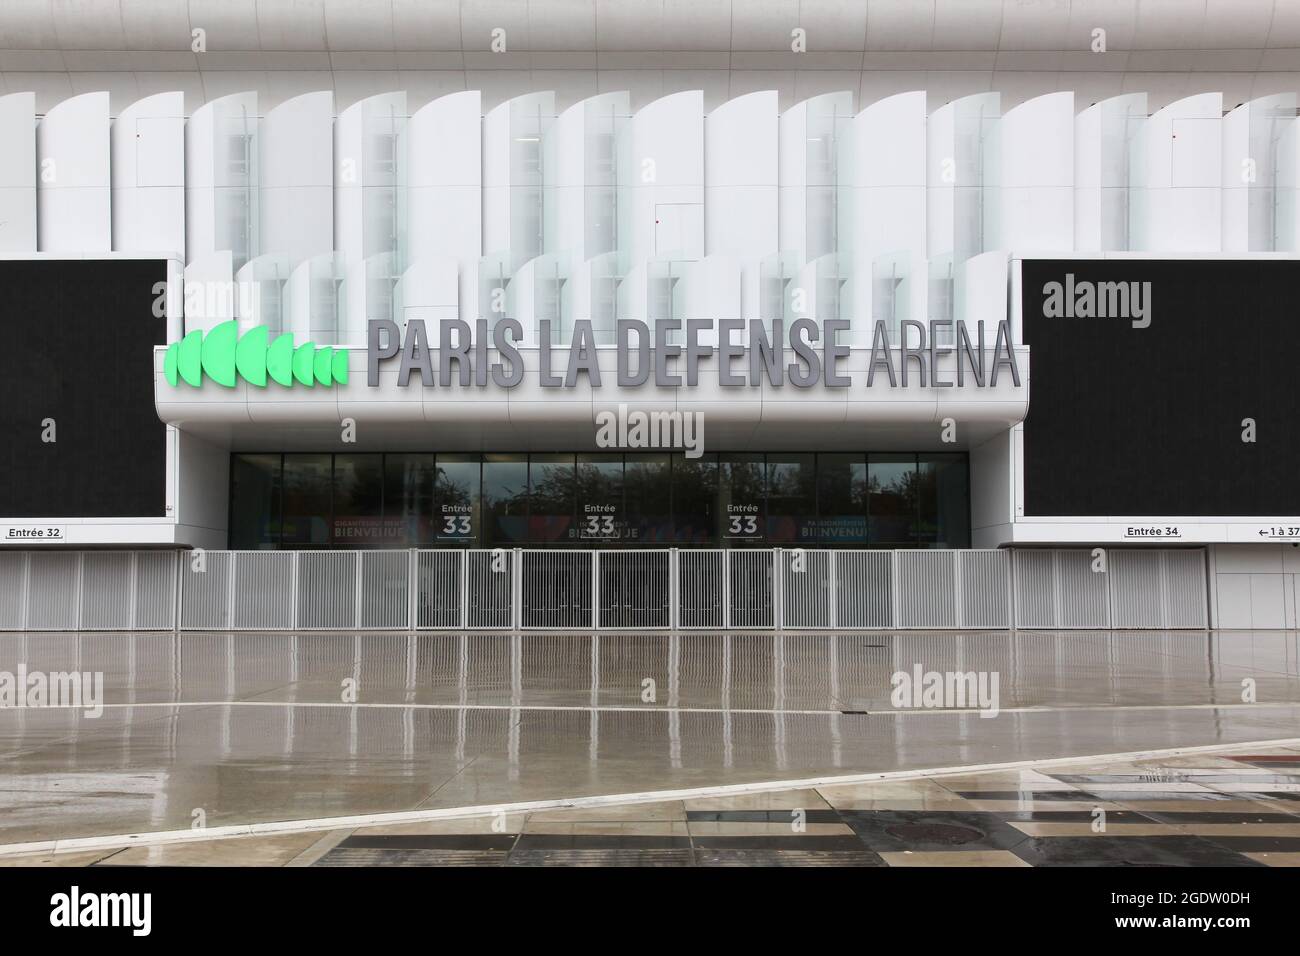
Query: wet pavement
{"points": [[1230, 808], [251, 728]]}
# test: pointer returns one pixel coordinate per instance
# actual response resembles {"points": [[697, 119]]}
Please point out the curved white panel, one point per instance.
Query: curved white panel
{"points": [[712, 292], [661, 212], [369, 206], [73, 192], [1035, 188], [1288, 188], [221, 178], [1103, 136], [512, 175], [810, 135], [741, 145], [958, 140], [579, 164], [148, 151], [18, 172], [1250, 171], [210, 291], [429, 290], [296, 194], [534, 294], [312, 310], [260, 284], [443, 154], [889, 175], [1176, 178]]}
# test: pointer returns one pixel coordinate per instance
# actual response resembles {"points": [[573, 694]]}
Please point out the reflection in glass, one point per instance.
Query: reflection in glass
{"points": [[891, 500], [944, 501], [841, 499], [358, 513], [791, 499], [552, 497], [601, 515], [649, 500], [695, 499], [505, 499], [360, 500], [456, 501], [740, 499], [255, 501], [307, 493], [408, 498]]}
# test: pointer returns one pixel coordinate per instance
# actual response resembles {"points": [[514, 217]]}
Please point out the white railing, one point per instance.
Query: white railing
{"points": [[547, 590]]}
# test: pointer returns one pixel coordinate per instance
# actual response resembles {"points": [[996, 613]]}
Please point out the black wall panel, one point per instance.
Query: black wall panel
{"points": [[1147, 421], [78, 339]]}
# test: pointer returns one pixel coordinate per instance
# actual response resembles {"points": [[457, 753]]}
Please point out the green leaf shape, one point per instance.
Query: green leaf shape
{"points": [[250, 355], [169, 363], [322, 366], [279, 360], [340, 369], [189, 361], [302, 361], [218, 353]]}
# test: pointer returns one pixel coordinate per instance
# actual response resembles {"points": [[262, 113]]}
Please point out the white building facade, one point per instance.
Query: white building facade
{"points": [[832, 294]]}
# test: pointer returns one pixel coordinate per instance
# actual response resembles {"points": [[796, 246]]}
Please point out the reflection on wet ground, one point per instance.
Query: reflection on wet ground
{"points": [[1230, 808], [255, 727]]}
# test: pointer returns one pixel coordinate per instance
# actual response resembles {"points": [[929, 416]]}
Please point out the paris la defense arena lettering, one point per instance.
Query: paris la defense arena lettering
{"points": [[918, 349]]}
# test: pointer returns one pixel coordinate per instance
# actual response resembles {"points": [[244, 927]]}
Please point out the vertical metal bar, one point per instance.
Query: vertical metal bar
{"points": [[674, 586], [412, 588], [231, 568], [958, 597], [462, 568], [24, 582], [595, 589], [832, 562], [726, 589], [778, 588], [133, 586], [358, 571], [78, 585], [1012, 608], [297, 557], [178, 590], [516, 590], [894, 588]]}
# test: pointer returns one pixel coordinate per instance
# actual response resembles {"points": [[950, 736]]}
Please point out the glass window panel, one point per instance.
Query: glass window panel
{"points": [[458, 512], [408, 498], [791, 499], [505, 499], [944, 501], [695, 499], [601, 513], [740, 499], [649, 499], [552, 497], [255, 501], [891, 500], [841, 499], [307, 493], [358, 520]]}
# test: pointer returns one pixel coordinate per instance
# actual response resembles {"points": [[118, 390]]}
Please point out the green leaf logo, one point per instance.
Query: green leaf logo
{"points": [[225, 355]]}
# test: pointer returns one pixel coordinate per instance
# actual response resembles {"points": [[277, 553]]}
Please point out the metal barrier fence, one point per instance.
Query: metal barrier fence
{"points": [[669, 589], [1060, 588]]}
